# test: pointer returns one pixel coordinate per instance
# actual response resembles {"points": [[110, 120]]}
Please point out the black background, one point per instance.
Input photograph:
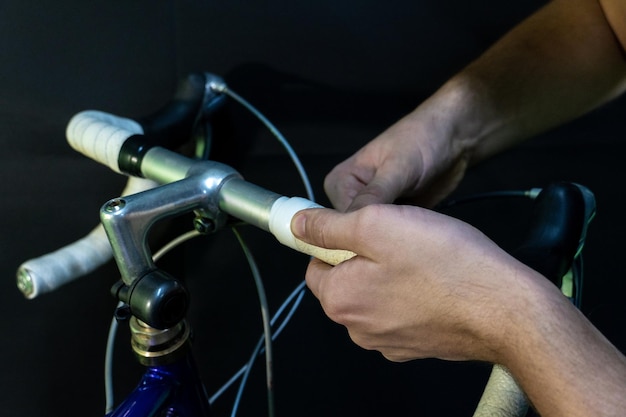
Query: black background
{"points": [[331, 75]]}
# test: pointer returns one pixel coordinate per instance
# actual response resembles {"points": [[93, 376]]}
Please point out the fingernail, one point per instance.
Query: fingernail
{"points": [[298, 224]]}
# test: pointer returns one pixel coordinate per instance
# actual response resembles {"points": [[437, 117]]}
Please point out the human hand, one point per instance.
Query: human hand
{"points": [[422, 284], [414, 160]]}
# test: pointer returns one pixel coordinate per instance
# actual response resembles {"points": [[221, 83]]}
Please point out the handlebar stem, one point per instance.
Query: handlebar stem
{"points": [[127, 220], [211, 189]]}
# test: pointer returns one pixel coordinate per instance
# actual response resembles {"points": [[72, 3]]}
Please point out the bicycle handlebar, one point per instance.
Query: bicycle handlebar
{"points": [[560, 217], [210, 189], [121, 143], [48, 272], [104, 137], [101, 136]]}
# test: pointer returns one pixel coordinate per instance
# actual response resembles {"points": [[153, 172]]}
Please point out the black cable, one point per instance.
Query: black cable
{"points": [[489, 195]]}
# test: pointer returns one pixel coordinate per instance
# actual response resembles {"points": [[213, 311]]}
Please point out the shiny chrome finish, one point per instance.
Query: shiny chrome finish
{"points": [[247, 202], [164, 166], [150, 343], [128, 220], [211, 189]]}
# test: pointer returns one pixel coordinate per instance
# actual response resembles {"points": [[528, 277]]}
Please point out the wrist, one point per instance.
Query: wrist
{"points": [[471, 121], [475, 127], [533, 307], [561, 361], [459, 116]]}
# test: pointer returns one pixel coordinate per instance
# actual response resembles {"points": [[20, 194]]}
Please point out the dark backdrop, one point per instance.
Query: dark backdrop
{"points": [[331, 75]]}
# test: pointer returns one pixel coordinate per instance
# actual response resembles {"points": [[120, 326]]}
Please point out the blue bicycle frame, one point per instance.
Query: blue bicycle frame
{"points": [[170, 386]]}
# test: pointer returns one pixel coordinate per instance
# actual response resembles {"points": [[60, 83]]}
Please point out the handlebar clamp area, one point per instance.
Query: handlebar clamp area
{"points": [[157, 299], [151, 294]]}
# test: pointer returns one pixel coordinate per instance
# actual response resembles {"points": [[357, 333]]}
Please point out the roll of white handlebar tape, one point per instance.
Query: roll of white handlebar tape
{"points": [[100, 135], [502, 396], [282, 212]]}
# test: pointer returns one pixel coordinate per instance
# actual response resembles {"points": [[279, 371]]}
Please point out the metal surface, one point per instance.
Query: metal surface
{"points": [[247, 202], [212, 189], [148, 342]]}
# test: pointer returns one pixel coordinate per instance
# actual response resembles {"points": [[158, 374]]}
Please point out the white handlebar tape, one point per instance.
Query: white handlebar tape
{"points": [[282, 212], [502, 396], [48, 272], [100, 135]]}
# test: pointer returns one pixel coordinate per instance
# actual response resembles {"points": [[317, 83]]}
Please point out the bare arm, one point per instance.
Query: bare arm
{"points": [[425, 285], [557, 65], [563, 363], [561, 62]]}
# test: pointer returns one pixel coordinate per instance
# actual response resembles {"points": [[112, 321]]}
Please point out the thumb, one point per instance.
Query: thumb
{"points": [[323, 227]]}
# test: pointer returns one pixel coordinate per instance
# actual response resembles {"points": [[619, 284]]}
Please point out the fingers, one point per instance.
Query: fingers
{"points": [[341, 188], [324, 228], [372, 176], [380, 190], [348, 193], [327, 229], [316, 275]]}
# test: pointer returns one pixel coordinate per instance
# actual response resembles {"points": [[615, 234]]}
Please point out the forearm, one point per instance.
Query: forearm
{"points": [[404, 296], [555, 66], [566, 366]]}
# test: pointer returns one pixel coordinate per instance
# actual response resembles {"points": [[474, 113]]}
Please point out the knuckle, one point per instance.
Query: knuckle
{"points": [[367, 220], [361, 339], [393, 357], [335, 310]]}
